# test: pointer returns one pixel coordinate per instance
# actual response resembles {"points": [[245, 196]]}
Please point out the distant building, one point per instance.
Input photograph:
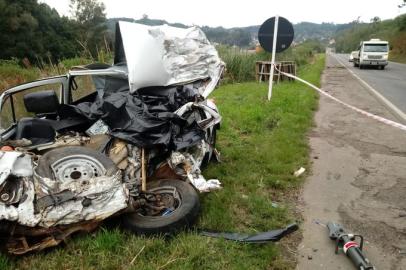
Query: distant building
{"points": [[258, 48]]}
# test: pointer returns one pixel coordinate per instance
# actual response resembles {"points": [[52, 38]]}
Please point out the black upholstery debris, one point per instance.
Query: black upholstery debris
{"points": [[263, 237], [145, 118]]}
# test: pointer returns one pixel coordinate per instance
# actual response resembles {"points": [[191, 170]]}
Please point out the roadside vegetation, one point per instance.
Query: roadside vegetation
{"points": [[262, 144], [393, 30], [13, 73], [241, 63]]}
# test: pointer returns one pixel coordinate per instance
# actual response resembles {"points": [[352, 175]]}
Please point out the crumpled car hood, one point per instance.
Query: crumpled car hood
{"points": [[165, 55]]}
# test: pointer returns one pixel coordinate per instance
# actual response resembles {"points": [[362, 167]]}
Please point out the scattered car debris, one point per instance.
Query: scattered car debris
{"points": [[133, 147], [299, 172], [259, 238], [351, 248]]}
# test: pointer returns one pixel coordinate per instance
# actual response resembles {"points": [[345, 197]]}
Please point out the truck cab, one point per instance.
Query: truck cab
{"points": [[373, 52]]}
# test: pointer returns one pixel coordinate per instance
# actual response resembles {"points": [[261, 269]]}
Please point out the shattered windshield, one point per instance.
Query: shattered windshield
{"points": [[375, 48]]}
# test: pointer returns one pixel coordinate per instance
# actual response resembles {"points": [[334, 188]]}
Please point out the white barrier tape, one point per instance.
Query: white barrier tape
{"points": [[370, 115]]}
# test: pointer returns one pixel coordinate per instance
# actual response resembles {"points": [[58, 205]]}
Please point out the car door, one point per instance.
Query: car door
{"points": [[12, 107]]}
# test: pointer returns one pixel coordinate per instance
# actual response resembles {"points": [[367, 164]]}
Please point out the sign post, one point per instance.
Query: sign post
{"points": [[275, 37]]}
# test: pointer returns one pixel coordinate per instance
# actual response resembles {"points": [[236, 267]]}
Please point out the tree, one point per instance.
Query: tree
{"points": [[91, 23], [34, 31], [88, 11], [375, 20]]}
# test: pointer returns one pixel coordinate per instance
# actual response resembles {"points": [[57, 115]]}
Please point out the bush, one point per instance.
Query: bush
{"points": [[11, 74], [240, 64]]}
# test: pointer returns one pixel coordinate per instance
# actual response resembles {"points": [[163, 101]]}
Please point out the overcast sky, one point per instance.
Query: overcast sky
{"points": [[245, 13]]}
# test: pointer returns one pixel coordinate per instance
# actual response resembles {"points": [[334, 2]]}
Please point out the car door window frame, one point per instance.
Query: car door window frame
{"points": [[63, 80]]}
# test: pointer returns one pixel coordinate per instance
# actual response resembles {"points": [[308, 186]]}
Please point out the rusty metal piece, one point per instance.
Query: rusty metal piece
{"points": [[123, 164], [165, 172], [134, 204], [22, 244], [16, 143], [67, 140]]}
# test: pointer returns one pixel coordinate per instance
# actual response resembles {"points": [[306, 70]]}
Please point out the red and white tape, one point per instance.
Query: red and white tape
{"points": [[349, 245], [368, 114]]}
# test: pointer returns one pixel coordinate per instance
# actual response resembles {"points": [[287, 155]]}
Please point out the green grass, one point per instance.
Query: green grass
{"points": [[262, 144], [12, 74]]}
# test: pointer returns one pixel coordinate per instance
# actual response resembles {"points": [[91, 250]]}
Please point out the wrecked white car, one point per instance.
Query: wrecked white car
{"points": [[101, 141]]}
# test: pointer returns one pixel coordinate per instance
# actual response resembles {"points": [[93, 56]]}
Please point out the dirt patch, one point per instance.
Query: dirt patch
{"points": [[394, 195]]}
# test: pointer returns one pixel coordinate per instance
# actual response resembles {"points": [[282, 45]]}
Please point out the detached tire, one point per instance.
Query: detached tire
{"points": [[75, 162], [182, 217]]}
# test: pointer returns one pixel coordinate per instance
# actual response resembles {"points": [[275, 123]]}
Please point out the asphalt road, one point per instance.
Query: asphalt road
{"points": [[358, 178], [390, 82]]}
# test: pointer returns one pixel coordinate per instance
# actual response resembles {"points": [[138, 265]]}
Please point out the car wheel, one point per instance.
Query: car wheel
{"points": [[180, 213], [74, 162], [361, 66]]}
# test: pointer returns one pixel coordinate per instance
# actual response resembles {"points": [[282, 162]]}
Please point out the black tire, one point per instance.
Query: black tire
{"points": [[355, 64], [44, 163], [382, 67], [182, 218], [361, 66]]}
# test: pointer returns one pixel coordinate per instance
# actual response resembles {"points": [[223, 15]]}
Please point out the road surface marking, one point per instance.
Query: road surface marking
{"points": [[395, 110], [368, 114]]}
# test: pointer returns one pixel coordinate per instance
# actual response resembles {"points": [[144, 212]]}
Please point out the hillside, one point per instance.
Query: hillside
{"points": [[247, 36], [307, 30], [393, 30]]}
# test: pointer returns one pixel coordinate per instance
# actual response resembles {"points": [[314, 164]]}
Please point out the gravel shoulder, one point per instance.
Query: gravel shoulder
{"points": [[358, 178]]}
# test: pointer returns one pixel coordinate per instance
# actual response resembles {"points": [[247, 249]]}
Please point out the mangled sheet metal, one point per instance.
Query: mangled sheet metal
{"points": [[170, 70], [156, 124], [44, 202], [187, 164], [165, 55]]}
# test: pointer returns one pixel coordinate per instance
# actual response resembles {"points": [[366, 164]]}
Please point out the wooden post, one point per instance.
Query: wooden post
{"points": [[143, 172]]}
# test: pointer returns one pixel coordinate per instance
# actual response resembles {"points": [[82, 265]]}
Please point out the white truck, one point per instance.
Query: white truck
{"points": [[373, 52]]}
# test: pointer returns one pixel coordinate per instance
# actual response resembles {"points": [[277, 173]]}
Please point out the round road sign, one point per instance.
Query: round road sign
{"points": [[284, 38]]}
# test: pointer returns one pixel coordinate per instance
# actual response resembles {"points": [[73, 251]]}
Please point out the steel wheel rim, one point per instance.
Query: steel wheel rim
{"points": [[77, 167]]}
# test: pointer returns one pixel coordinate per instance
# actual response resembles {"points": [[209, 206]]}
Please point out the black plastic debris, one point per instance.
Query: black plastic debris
{"points": [[146, 118], [260, 238]]}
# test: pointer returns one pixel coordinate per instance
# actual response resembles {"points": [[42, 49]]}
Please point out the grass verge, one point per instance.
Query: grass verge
{"points": [[399, 58], [262, 144]]}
